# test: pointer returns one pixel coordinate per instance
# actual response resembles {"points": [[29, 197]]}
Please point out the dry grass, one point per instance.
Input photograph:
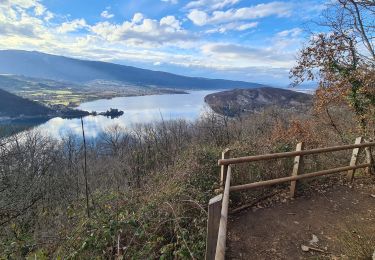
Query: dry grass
{"points": [[357, 242]]}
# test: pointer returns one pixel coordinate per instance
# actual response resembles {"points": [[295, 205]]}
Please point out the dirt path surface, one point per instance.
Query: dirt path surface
{"points": [[338, 223]]}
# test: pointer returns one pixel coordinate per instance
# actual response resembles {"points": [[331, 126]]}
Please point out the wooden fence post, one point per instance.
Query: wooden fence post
{"points": [[297, 169], [370, 160], [214, 214], [354, 159], [223, 223], [224, 168]]}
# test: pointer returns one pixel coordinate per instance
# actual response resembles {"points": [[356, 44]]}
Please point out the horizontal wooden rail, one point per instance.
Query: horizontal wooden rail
{"points": [[295, 178], [222, 234], [291, 154], [218, 207]]}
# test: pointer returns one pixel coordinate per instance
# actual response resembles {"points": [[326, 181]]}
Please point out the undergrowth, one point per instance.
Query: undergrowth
{"points": [[148, 191]]}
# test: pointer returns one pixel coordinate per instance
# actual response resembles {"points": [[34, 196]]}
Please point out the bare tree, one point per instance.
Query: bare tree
{"points": [[85, 169]]}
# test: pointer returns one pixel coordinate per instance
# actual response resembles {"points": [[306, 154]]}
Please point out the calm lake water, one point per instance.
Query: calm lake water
{"points": [[143, 109]]}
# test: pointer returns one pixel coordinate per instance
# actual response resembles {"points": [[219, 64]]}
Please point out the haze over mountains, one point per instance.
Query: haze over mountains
{"points": [[46, 66]]}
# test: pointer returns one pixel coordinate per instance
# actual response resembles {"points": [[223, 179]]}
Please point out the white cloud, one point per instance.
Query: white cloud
{"points": [[138, 17], [280, 9], [24, 24], [107, 15], [295, 32], [171, 21], [15, 20], [288, 40], [241, 56], [141, 30], [39, 9], [48, 16], [246, 26], [22, 5], [198, 17], [25, 4], [233, 27], [170, 1], [72, 26], [210, 4]]}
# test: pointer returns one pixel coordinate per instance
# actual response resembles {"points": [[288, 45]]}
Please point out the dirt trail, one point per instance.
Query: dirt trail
{"points": [[341, 218]]}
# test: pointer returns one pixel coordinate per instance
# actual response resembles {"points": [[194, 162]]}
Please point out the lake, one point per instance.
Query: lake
{"points": [[140, 109]]}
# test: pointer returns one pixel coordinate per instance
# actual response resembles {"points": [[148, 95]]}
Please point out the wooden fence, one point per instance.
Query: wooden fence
{"points": [[218, 206]]}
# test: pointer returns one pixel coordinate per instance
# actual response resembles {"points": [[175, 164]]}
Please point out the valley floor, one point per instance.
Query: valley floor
{"points": [[341, 220], [74, 97]]}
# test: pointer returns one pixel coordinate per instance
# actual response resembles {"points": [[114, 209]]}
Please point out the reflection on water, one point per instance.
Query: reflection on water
{"points": [[14, 126], [145, 109]]}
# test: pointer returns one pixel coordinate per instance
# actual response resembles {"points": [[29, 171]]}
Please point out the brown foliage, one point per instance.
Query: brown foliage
{"points": [[342, 60], [294, 132]]}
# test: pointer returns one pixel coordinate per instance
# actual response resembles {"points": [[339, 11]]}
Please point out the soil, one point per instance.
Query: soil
{"points": [[340, 218]]}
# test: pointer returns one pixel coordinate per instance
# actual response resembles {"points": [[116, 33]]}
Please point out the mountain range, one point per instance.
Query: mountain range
{"points": [[46, 66]]}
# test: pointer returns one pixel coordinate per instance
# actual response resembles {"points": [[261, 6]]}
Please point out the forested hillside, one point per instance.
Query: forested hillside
{"points": [[13, 106], [240, 101]]}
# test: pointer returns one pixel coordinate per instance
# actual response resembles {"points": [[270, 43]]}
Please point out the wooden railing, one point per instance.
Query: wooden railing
{"points": [[218, 206]]}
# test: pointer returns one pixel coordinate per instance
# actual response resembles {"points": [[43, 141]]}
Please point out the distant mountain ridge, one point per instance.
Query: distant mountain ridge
{"points": [[47, 66], [239, 101]]}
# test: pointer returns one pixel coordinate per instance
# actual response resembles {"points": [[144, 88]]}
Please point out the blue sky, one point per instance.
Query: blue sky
{"points": [[235, 39]]}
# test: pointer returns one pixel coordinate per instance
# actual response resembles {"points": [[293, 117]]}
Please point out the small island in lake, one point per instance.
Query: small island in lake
{"points": [[15, 108], [112, 113]]}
